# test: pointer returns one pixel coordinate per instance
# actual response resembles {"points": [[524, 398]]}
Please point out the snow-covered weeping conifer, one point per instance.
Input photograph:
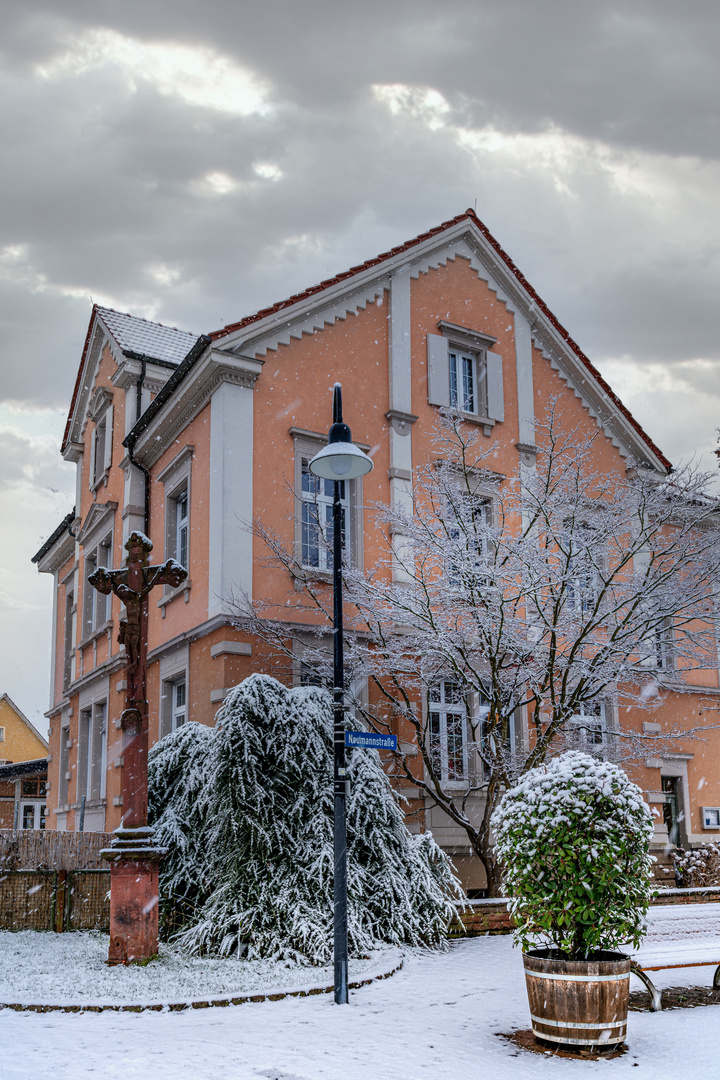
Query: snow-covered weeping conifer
{"points": [[246, 811]]}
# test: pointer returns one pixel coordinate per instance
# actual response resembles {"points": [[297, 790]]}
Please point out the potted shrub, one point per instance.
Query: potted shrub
{"points": [[573, 837]]}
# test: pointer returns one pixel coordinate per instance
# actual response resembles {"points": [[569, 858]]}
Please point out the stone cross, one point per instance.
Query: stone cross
{"points": [[133, 854]]}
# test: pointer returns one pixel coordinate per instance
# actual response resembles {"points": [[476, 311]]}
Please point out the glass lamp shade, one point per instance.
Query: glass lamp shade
{"points": [[340, 461]]}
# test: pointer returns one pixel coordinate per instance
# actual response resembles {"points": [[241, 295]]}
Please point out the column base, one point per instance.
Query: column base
{"points": [[134, 895]]}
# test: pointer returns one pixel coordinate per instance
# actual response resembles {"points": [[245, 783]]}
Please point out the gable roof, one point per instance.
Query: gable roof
{"points": [[22, 717], [534, 298], [150, 339], [137, 338]]}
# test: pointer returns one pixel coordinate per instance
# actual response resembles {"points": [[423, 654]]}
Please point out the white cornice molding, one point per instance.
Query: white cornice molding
{"points": [[62, 550], [129, 371], [193, 393]]}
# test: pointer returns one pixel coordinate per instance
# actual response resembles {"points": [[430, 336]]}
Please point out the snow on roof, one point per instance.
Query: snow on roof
{"points": [[150, 338]]}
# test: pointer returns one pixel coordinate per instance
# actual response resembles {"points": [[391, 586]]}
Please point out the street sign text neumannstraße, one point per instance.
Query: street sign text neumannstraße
{"points": [[370, 740]]}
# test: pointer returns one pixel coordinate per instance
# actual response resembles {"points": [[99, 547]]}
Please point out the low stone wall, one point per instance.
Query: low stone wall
{"points": [[706, 894], [481, 917]]}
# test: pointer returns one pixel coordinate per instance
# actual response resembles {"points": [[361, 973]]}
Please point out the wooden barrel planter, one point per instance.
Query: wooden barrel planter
{"points": [[578, 1002]]}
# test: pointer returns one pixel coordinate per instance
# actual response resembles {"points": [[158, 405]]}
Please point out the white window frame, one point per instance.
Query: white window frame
{"points": [[101, 443], [174, 667], [306, 446], [176, 479], [483, 365], [438, 741], [584, 586], [64, 763], [593, 726], [97, 606], [178, 710], [485, 501], [92, 751], [2, 734]]}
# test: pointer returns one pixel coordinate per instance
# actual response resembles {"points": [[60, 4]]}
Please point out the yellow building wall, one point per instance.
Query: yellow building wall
{"points": [[20, 742]]}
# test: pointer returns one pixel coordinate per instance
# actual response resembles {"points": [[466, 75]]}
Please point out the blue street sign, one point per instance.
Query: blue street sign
{"points": [[368, 739]]}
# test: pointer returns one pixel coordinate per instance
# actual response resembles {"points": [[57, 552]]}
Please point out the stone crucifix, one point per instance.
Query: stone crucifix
{"points": [[133, 854]]}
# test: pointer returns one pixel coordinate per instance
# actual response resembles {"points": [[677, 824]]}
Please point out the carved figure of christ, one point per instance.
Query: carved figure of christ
{"points": [[132, 584]]}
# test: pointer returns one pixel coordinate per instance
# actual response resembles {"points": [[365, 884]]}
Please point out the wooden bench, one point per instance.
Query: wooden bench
{"points": [[679, 936]]}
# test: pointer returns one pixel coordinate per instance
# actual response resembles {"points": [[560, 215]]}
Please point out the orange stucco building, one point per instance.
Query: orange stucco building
{"points": [[222, 426]]}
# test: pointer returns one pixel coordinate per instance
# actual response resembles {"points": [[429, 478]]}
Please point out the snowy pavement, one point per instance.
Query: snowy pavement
{"points": [[437, 1018]]}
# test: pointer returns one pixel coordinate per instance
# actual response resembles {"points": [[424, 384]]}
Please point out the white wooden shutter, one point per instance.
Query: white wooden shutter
{"points": [[438, 375], [108, 437], [495, 396]]}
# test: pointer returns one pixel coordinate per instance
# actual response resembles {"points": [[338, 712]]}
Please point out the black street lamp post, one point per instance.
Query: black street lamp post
{"points": [[339, 461]]}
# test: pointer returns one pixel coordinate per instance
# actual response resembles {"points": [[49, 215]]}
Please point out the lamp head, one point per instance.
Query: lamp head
{"points": [[340, 459]]}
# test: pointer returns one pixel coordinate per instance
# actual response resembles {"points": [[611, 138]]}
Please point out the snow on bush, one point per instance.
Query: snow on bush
{"points": [[246, 811], [698, 867], [573, 837]]}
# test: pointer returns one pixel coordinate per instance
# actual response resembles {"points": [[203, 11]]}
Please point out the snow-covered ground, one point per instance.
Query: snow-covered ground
{"points": [[43, 969], [437, 1018]]}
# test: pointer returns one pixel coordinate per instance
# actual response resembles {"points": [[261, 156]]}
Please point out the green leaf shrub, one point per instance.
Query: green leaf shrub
{"points": [[573, 837]]}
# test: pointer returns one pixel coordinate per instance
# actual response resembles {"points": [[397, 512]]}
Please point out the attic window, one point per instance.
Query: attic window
{"points": [[465, 374]]}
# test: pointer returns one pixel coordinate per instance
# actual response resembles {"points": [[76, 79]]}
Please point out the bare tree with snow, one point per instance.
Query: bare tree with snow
{"points": [[513, 617]]}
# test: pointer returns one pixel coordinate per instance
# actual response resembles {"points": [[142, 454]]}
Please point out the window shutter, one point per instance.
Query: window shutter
{"points": [[438, 378], [108, 437], [495, 397]]}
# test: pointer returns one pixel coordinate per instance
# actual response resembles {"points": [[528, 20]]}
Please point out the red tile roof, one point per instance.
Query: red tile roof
{"points": [[471, 216]]}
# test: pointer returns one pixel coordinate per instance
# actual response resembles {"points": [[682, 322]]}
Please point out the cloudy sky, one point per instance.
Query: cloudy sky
{"points": [[191, 162]]}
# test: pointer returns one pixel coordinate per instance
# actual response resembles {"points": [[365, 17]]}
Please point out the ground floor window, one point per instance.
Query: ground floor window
{"points": [[179, 703], [32, 815], [447, 729]]}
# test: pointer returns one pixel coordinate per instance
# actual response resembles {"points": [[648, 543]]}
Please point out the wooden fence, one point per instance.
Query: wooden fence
{"points": [[54, 900], [46, 849]]}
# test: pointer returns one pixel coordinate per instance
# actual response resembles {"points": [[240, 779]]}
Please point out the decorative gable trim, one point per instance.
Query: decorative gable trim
{"points": [[97, 518]]}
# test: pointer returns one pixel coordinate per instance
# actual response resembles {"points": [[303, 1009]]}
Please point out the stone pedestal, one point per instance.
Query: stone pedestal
{"points": [[134, 895]]}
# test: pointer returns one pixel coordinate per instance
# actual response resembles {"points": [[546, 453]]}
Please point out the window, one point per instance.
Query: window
{"points": [[663, 646], [447, 730], [69, 650], [179, 693], [181, 527], [32, 815], [467, 382], [92, 752], [97, 605], [101, 446], [317, 519], [463, 373], [176, 478], [583, 562], [64, 765], [314, 506], [469, 524], [2, 734], [590, 725]]}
